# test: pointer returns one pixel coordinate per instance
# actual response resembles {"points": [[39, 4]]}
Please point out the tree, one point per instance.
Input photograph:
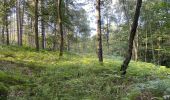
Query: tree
{"points": [[99, 35], [36, 26], [20, 17], [60, 28], [18, 21], [6, 21], [43, 24], [131, 37]]}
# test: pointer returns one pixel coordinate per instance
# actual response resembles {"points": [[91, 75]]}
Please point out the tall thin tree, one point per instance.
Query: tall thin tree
{"points": [[43, 25], [131, 37], [17, 19], [20, 16], [60, 28], [21, 20], [36, 26], [3, 30], [99, 35], [6, 22]]}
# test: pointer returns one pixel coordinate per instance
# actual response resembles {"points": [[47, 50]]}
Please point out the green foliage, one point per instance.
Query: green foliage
{"points": [[41, 75], [3, 91], [156, 88]]}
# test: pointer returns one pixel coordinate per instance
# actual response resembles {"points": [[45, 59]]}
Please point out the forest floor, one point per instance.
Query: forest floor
{"points": [[29, 75]]}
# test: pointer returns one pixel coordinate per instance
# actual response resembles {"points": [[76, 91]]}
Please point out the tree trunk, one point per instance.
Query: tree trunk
{"points": [[9, 27], [135, 49], [76, 42], [99, 37], [36, 26], [146, 45], [21, 22], [131, 38], [7, 32], [55, 37], [152, 41], [3, 25], [107, 35], [43, 25], [68, 40], [17, 19], [32, 42], [68, 44], [6, 22], [60, 28], [3, 33]]}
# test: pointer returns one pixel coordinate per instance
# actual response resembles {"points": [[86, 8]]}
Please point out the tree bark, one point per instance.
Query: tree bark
{"points": [[3, 33], [99, 37], [60, 28], [68, 40], [146, 45], [6, 25], [5, 22], [21, 22], [107, 34], [43, 25], [36, 26], [55, 37], [17, 19], [131, 37], [7, 31], [135, 48]]}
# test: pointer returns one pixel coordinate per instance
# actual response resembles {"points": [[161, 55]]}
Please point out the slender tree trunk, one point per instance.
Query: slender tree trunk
{"points": [[6, 22], [146, 45], [36, 26], [18, 15], [76, 42], [55, 37], [99, 35], [6, 26], [152, 39], [21, 14], [43, 35], [131, 37], [43, 25], [68, 40], [135, 49], [107, 35], [68, 44], [3, 33], [9, 27], [153, 52], [60, 28], [159, 52], [7, 30], [32, 42]]}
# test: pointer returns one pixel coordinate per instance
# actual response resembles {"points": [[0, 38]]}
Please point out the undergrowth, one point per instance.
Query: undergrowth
{"points": [[29, 75]]}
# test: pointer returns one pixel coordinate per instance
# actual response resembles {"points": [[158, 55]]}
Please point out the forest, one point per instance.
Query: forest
{"points": [[84, 50]]}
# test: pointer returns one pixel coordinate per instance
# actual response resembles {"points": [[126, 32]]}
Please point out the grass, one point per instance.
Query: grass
{"points": [[29, 75]]}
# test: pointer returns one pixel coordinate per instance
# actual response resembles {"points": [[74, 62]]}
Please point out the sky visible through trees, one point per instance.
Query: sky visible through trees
{"points": [[89, 6]]}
